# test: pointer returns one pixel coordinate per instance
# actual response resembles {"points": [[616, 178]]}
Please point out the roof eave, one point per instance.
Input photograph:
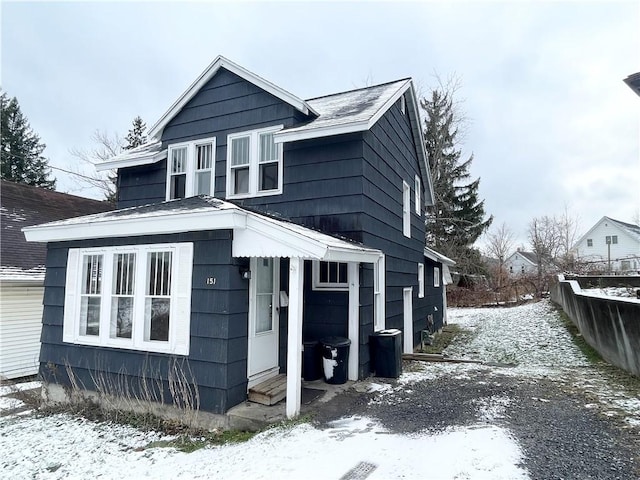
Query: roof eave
{"points": [[131, 161]]}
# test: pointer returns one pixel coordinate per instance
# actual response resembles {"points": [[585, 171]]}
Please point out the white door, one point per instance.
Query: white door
{"points": [[407, 295], [263, 319]]}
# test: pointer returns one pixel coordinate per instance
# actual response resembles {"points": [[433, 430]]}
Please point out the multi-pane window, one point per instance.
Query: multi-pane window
{"points": [[191, 169], [254, 163], [330, 275], [91, 295], [122, 295], [589, 242], [135, 297], [157, 304], [611, 239]]}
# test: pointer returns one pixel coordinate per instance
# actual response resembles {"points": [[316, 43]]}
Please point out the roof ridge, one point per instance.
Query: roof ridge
{"points": [[358, 89], [630, 225], [45, 191]]}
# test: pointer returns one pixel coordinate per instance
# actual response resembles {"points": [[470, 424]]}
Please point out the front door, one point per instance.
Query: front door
{"points": [[263, 319]]}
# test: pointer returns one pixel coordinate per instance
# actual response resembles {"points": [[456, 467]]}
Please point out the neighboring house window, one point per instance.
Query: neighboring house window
{"points": [[418, 189], [406, 209], [254, 163], [190, 169], [611, 240], [625, 265], [522, 268], [510, 268], [330, 276], [589, 242], [436, 276], [614, 239], [421, 280], [136, 297]]}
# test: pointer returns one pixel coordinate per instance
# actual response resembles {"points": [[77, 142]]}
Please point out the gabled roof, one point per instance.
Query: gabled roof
{"points": [[255, 234], [630, 229], [438, 257], [530, 257], [22, 206], [633, 81], [221, 62]]}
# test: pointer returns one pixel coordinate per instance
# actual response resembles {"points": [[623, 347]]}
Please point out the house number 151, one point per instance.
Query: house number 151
{"points": [[210, 280]]}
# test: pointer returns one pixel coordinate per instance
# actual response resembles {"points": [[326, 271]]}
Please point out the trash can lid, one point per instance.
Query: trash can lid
{"points": [[335, 341], [390, 331], [310, 343]]}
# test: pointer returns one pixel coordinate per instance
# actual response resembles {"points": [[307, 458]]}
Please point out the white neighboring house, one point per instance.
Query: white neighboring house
{"points": [[611, 245], [22, 269], [521, 263]]}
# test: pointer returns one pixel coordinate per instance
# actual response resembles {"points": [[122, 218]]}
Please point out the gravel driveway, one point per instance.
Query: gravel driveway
{"points": [[573, 419]]}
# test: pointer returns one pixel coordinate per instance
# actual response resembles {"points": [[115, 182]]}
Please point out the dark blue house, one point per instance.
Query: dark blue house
{"points": [[250, 222]]}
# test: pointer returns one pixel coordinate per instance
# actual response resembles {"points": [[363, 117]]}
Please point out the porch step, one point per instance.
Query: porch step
{"points": [[270, 391]]}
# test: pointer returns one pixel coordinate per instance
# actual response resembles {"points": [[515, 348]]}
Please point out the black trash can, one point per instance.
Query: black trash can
{"points": [[335, 359], [311, 361], [386, 353]]}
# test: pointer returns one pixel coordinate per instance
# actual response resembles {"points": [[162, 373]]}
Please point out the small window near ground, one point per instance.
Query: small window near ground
{"points": [[421, 280], [406, 209], [589, 242], [330, 276], [436, 276]]}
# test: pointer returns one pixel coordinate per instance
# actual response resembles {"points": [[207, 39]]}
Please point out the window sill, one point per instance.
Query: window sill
{"points": [[254, 195]]}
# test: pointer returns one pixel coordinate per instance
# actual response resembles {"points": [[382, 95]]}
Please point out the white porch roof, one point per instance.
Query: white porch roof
{"points": [[254, 234]]}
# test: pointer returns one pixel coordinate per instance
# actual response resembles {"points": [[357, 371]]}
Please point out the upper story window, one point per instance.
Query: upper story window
{"points": [[136, 297], [418, 189], [330, 276], [589, 242], [406, 209], [191, 168], [254, 164], [611, 239]]}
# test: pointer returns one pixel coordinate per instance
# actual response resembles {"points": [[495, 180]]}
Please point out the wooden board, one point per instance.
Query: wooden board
{"points": [[270, 391]]}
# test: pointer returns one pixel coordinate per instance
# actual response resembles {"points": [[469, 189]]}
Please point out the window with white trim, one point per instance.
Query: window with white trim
{"points": [[330, 276], [589, 242], [436, 276], [418, 188], [136, 297], [254, 163], [406, 209], [421, 280], [190, 168]]}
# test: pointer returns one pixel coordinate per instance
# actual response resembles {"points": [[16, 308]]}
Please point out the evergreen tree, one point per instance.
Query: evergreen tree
{"points": [[21, 156], [458, 217], [136, 136]]}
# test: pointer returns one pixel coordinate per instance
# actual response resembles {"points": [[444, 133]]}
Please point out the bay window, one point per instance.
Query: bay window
{"points": [[254, 163], [136, 297]]}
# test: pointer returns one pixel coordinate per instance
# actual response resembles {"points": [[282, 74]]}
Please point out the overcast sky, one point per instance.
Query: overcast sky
{"points": [[550, 121]]}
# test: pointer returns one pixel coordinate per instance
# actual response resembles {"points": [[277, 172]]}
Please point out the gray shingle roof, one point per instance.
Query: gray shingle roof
{"points": [[23, 205]]}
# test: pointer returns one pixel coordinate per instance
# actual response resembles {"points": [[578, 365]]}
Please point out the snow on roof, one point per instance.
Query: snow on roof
{"points": [[144, 154], [630, 228]]}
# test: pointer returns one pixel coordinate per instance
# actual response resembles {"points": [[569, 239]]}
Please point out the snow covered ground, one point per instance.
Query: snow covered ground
{"points": [[622, 292], [531, 336]]}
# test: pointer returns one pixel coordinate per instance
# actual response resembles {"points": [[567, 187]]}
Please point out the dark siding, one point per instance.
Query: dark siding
{"points": [[217, 360], [142, 185]]}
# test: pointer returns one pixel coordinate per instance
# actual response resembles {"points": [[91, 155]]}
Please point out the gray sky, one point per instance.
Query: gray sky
{"points": [[550, 121]]}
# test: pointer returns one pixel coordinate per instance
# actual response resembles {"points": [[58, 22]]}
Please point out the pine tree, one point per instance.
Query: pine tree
{"points": [[136, 136], [21, 156], [458, 218]]}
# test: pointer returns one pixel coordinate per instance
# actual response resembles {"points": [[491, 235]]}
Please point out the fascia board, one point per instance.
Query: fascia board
{"points": [[208, 73], [438, 257], [162, 223], [419, 142], [131, 162], [336, 254], [294, 135]]}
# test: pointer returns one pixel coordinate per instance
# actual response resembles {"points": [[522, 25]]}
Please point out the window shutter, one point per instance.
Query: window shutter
{"points": [[70, 296], [182, 320]]}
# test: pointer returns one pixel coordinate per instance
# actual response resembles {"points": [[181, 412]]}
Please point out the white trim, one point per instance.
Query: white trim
{"points": [[180, 298], [417, 185], [406, 209], [379, 293], [353, 274], [328, 286], [437, 257], [403, 105], [254, 163], [436, 276], [420, 280], [407, 320], [190, 170], [294, 337], [291, 135], [208, 73], [130, 158]]}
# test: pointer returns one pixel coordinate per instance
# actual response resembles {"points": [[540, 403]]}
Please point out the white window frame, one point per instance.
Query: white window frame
{"points": [[436, 276], [180, 298], [420, 280], [190, 170], [418, 188], [406, 209], [254, 163], [329, 286]]}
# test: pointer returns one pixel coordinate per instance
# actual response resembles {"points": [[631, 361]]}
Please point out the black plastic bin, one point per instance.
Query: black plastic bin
{"points": [[311, 361], [335, 359], [386, 353]]}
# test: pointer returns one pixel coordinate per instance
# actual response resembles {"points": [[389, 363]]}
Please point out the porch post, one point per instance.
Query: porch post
{"points": [[353, 277], [294, 338]]}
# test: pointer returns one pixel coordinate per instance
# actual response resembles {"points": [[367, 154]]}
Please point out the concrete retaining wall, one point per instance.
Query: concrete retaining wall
{"points": [[603, 281], [610, 325]]}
